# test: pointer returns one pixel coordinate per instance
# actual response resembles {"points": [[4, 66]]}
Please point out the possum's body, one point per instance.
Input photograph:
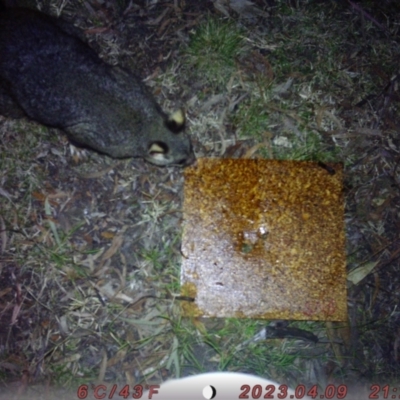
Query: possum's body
{"points": [[58, 80]]}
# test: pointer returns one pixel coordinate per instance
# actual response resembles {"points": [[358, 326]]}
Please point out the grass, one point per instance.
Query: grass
{"points": [[214, 49], [270, 114]]}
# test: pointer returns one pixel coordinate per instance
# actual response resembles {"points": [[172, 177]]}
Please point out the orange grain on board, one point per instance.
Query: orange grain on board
{"points": [[264, 239]]}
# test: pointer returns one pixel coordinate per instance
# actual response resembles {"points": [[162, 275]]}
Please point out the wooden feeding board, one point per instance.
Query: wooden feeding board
{"points": [[264, 239]]}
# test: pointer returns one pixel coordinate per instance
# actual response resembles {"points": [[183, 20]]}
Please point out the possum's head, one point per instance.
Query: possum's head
{"points": [[159, 139], [175, 147]]}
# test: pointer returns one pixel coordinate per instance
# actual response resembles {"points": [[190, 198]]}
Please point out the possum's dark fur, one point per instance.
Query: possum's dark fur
{"points": [[58, 80]]}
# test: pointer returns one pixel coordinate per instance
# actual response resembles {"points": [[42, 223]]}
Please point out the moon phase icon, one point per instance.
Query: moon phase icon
{"points": [[209, 392]]}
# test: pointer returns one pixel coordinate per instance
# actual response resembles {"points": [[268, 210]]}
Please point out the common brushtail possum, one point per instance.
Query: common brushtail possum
{"points": [[56, 79]]}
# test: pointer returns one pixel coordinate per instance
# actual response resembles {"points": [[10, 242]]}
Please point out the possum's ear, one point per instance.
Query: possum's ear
{"points": [[176, 121]]}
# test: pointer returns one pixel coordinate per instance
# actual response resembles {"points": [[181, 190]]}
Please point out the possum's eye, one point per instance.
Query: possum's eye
{"points": [[176, 121], [158, 148], [158, 153]]}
